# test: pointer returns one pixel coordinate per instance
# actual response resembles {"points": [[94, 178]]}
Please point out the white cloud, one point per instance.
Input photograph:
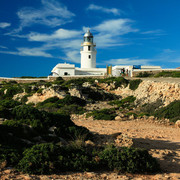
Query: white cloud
{"points": [[4, 25], [116, 26], [103, 9], [128, 61], [57, 35], [110, 32], [73, 56], [29, 52], [155, 32], [52, 13], [3, 47]]}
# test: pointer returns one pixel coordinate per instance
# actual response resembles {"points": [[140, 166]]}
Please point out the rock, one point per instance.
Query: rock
{"points": [[123, 140], [89, 143], [51, 129], [118, 118], [75, 92], [131, 117], [177, 124], [3, 164], [151, 92]]}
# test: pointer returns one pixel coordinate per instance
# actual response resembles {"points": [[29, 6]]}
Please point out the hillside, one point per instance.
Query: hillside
{"points": [[88, 121]]}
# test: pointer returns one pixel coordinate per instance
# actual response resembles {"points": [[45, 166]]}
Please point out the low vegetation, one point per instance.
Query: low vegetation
{"points": [[174, 74], [133, 84], [127, 102], [145, 74], [42, 139], [103, 114], [171, 111], [117, 81]]}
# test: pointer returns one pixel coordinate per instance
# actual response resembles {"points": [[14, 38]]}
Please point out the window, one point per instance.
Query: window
{"points": [[65, 73], [89, 56], [89, 48]]}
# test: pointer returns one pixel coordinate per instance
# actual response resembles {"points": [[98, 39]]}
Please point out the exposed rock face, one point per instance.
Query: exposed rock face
{"points": [[151, 91], [177, 124], [46, 93]]}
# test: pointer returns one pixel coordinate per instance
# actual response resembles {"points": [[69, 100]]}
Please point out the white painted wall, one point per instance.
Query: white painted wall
{"points": [[87, 62]]}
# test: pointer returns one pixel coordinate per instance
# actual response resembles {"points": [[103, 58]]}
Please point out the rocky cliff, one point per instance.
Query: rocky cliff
{"points": [[151, 91]]}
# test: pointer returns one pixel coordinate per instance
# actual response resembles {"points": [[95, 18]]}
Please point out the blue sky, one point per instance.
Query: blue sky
{"points": [[35, 35]]}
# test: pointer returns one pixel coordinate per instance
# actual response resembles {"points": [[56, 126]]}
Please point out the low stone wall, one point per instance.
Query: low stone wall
{"points": [[48, 79]]}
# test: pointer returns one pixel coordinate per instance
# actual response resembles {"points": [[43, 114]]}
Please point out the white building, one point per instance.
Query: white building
{"points": [[88, 63]]}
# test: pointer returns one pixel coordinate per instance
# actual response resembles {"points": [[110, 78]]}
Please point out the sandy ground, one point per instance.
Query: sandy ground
{"points": [[163, 142]]}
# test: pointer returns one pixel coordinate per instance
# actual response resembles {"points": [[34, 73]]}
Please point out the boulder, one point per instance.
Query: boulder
{"points": [[118, 118], [177, 124]]}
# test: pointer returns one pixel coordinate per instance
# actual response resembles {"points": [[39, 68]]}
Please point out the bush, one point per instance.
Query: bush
{"points": [[171, 111], [9, 103], [12, 90], [10, 155], [133, 85], [77, 82], [168, 74], [129, 160], [103, 114], [144, 74], [124, 103], [68, 100], [71, 109], [40, 159], [118, 81], [98, 95], [48, 158]]}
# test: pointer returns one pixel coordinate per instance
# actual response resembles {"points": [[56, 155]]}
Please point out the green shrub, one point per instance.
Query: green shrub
{"points": [[24, 99], [39, 90], [77, 82], [144, 74], [124, 103], [168, 74], [171, 111], [12, 90], [150, 108], [133, 84], [71, 109], [48, 158], [10, 155], [9, 103], [4, 112], [129, 160], [68, 100], [103, 114], [40, 159], [98, 95], [118, 81], [58, 81]]}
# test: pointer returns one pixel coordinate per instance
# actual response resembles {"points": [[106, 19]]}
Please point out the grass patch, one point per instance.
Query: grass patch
{"points": [[103, 114], [118, 81], [175, 74], [124, 103], [145, 74], [133, 84], [171, 111]]}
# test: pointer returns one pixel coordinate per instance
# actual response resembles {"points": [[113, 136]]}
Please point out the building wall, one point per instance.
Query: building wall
{"points": [[88, 56], [64, 71]]}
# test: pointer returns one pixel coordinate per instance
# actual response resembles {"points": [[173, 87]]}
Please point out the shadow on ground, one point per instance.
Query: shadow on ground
{"points": [[166, 152]]}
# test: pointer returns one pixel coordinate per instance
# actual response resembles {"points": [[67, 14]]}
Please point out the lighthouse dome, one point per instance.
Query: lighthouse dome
{"points": [[88, 34]]}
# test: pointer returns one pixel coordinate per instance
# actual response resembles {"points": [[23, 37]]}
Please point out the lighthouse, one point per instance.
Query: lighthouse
{"points": [[88, 51]]}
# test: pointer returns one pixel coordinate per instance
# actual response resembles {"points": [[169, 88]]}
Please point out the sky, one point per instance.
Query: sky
{"points": [[35, 35]]}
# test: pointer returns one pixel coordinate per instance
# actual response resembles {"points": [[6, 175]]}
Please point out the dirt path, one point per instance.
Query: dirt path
{"points": [[163, 142]]}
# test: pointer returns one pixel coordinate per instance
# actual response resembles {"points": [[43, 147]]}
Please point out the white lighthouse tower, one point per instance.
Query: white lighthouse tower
{"points": [[88, 51]]}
